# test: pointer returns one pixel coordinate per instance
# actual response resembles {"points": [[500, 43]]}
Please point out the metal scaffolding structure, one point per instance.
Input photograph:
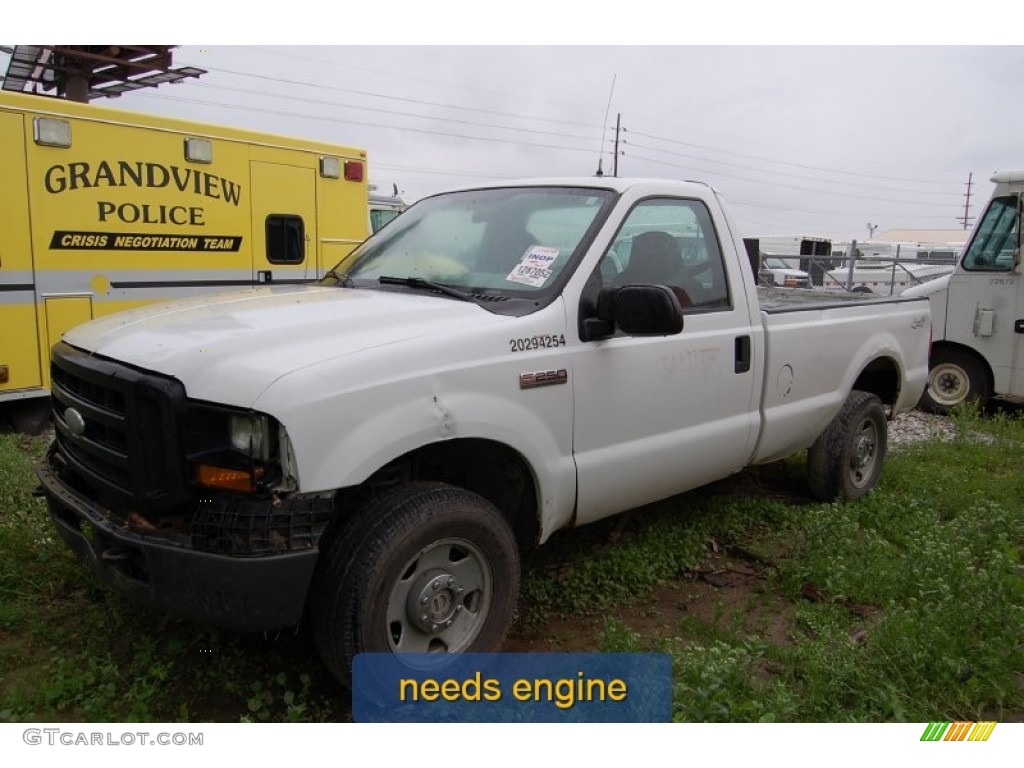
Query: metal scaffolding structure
{"points": [[87, 72]]}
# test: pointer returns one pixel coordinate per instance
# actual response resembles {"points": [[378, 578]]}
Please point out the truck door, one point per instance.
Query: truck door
{"points": [[1017, 379], [656, 415], [1017, 376], [20, 355], [284, 223], [984, 304]]}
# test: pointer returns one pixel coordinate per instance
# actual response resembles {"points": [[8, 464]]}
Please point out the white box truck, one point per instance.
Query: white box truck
{"points": [[978, 311]]}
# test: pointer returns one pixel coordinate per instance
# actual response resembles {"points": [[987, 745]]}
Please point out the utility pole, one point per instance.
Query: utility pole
{"points": [[618, 128], [966, 221]]}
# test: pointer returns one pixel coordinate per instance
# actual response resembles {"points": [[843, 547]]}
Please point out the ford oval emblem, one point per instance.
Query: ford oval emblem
{"points": [[75, 422]]}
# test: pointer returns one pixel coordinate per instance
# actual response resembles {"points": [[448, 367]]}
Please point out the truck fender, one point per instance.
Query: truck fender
{"points": [[345, 456]]}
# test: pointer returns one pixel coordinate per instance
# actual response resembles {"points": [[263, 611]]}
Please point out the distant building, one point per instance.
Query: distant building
{"points": [[924, 236]]}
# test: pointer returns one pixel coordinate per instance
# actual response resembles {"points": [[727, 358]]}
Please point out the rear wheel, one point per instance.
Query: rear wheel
{"points": [[423, 568], [845, 462], [954, 377]]}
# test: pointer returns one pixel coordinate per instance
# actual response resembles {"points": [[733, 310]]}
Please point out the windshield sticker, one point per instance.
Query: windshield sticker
{"points": [[535, 267]]}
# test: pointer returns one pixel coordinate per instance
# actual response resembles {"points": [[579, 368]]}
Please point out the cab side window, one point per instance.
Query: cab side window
{"points": [[669, 242]]}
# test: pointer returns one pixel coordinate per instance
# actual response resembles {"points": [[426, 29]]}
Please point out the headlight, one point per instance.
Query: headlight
{"points": [[230, 448], [250, 435]]}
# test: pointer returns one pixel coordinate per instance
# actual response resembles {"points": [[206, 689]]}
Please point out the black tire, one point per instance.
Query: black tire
{"points": [[954, 377], [845, 462], [423, 567]]}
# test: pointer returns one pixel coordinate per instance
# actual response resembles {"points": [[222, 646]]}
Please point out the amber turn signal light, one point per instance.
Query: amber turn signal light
{"points": [[239, 480]]}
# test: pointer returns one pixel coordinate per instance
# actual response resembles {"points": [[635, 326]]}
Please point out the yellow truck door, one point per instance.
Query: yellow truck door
{"points": [[284, 223], [20, 359]]}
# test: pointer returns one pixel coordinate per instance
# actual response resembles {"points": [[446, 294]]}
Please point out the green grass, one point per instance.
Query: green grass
{"points": [[70, 650], [916, 607], [906, 606]]}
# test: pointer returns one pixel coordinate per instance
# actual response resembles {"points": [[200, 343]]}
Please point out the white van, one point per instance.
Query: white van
{"points": [[383, 208], [978, 311]]}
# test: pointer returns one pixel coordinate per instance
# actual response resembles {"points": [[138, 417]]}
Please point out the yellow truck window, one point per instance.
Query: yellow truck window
{"points": [[286, 239]]}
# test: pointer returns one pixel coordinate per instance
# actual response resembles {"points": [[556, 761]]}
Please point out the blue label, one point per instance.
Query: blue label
{"points": [[512, 687]]}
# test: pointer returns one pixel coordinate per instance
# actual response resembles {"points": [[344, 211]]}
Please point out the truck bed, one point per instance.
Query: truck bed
{"points": [[805, 380], [775, 300]]}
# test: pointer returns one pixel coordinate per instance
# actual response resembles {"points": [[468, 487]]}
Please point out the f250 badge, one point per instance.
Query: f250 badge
{"points": [[543, 378]]}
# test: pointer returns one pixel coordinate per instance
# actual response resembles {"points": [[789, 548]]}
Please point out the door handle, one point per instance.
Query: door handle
{"points": [[742, 354], [1018, 326], [264, 276]]}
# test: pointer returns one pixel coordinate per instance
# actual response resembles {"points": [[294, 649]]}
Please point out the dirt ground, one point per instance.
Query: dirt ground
{"points": [[726, 586]]}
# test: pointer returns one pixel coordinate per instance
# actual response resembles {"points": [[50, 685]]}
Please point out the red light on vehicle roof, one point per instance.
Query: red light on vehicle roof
{"points": [[353, 170]]}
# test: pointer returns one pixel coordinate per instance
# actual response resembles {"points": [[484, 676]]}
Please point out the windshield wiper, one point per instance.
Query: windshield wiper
{"points": [[426, 285], [342, 277]]}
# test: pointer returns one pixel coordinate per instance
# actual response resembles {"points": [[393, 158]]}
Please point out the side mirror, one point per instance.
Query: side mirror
{"points": [[636, 310]]}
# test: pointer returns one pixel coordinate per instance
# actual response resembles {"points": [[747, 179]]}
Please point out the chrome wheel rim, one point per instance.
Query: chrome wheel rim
{"points": [[441, 600], [864, 454]]}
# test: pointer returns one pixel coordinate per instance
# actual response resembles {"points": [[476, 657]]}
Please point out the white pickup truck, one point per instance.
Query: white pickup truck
{"points": [[370, 454]]}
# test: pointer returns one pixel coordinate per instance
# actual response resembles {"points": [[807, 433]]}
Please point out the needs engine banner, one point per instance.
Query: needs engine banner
{"points": [[512, 687]]}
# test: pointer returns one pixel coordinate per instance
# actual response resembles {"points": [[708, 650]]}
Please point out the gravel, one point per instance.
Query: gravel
{"points": [[920, 427]]}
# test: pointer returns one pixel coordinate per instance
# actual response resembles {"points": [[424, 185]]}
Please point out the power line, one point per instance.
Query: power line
{"points": [[263, 110], [719, 135], [423, 102], [784, 173], [438, 171], [783, 162], [460, 86], [404, 99], [398, 113], [817, 212], [454, 172], [680, 142], [542, 145], [780, 184]]}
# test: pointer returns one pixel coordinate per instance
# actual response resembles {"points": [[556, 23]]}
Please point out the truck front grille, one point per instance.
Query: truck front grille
{"points": [[239, 526], [117, 429]]}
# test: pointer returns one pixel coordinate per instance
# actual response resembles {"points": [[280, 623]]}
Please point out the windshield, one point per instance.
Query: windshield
{"points": [[515, 241], [995, 240]]}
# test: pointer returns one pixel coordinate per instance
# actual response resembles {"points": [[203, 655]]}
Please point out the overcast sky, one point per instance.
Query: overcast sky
{"points": [[813, 140]]}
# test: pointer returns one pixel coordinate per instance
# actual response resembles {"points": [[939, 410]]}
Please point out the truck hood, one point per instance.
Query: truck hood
{"points": [[250, 338], [927, 289]]}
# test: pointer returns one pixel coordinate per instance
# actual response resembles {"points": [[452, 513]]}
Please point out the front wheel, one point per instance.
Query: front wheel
{"points": [[845, 462], [422, 568]]}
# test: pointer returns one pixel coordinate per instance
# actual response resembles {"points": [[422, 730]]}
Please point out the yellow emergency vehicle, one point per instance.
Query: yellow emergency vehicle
{"points": [[103, 210]]}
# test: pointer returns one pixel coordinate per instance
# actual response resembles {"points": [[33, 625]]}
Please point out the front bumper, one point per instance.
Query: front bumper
{"points": [[238, 592]]}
